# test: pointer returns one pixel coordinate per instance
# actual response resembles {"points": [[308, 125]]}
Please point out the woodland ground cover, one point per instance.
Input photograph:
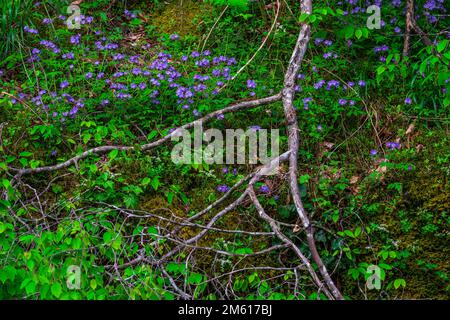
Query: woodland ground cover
{"points": [[373, 159]]}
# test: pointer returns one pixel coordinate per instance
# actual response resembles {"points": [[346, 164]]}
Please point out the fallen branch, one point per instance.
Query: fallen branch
{"points": [[282, 237], [288, 93], [104, 149]]}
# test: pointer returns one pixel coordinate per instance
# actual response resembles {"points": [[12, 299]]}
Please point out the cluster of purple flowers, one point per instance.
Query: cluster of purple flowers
{"points": [[434, 5], [335, 84], [251, 84], [64, 84], [68, 56], [264, 189], [30, 30], [223, 188], [131, 76], [382, 48], [75, 39], [34, 56], [50, 45], [184, 93], [393, 145], [129, 14], [226, 170], [82, 19], [306, 102]]}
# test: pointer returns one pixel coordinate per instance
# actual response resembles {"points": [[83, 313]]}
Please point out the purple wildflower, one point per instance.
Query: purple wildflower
{"points": [[223, 188], [264, 189], [75, 39], [251, 84], [30, 30], [393, 145], [64, 84]]}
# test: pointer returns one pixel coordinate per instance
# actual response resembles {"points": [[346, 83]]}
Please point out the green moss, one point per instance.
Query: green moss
{"points": [[182, 17]]}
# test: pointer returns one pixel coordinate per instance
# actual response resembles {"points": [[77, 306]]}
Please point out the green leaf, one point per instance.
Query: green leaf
{"points": [[56, 289], [6, 183], [303, 17], [152, 135], [136, 22], [117, 243], [399, 282], [304, 179], [385, 266], [107, 236], [170, 196], [10, 159], [173, 267], [34, 164], [264, 287], [145, 181], [381, 69], [25, 154], [244, 251], [348, 32], [441, 46], [130, 200], [86, 138], [103, 16], [446, 101], [195, 278], [152, 230], [31, 288], [155, 183], [365, 32], [23, 162], [113, 154], [7, 273], [349, 233], [358, 34], [354, 273]]}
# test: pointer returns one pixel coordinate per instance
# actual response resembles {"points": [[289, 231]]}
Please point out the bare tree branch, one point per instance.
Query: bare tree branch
{"points": [[244, 105], [288, 93]]}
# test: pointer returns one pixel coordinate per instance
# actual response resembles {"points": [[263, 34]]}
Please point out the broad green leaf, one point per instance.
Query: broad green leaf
{"points": [[56, 289], [113, 154]]}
